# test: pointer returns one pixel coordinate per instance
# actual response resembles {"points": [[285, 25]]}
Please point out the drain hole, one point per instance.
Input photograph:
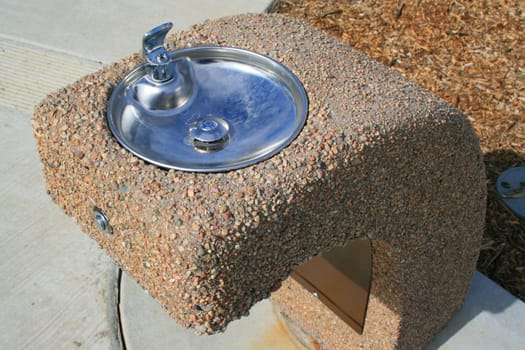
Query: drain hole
{"points": [[209, 146]]}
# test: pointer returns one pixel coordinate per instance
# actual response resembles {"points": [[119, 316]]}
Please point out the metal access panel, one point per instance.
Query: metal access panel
{"points": [[341, 279]]}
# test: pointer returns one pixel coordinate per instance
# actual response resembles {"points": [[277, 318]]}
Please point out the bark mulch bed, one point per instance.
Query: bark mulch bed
{"points": [[470, 53]]}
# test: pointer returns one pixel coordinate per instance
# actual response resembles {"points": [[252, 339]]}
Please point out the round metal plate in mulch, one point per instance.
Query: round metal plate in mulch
{"points": [[511, 188]]}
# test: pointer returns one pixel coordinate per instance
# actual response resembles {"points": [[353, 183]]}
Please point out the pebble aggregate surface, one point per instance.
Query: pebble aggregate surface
{"points": [[379, 157]]}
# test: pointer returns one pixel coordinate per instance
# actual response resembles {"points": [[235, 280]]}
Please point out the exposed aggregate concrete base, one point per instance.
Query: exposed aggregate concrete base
{"points": [[379, 157]]}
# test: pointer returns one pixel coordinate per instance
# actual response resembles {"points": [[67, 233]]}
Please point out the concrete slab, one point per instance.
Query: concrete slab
{"points": [[490, 319], [145, 325], [58, 288], [106, 30]]}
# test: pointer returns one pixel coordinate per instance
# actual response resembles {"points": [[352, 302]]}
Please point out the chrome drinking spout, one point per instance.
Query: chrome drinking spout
{"points": [[156, 54]]}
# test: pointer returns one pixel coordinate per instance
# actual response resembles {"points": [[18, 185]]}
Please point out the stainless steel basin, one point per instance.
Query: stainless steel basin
{"points": [[206, 109]]}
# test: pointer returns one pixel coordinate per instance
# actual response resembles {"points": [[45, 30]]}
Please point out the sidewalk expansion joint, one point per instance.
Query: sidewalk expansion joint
{"points": [[29, 72], [120, 330]]}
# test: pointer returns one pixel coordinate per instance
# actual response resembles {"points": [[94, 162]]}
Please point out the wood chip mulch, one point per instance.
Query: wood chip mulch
{"points": [[471, 54]]}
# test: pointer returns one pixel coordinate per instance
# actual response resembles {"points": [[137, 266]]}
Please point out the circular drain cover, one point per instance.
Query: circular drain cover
{"points": [[511, 189], [206, 109]]}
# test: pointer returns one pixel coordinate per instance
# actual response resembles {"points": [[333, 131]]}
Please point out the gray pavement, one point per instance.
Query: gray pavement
{"points": [[58, 289], [490, 319], [145, 325]]}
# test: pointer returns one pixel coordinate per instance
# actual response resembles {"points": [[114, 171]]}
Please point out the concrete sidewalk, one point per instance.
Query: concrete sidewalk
{"points": [[490, 319], [58, 289]]}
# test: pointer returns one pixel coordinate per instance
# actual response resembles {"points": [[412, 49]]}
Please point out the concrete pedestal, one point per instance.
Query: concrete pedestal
{"points": [[379, 158]]}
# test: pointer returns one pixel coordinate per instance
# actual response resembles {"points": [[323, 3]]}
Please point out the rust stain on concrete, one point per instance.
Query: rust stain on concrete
{"points": [[277, 337]]}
